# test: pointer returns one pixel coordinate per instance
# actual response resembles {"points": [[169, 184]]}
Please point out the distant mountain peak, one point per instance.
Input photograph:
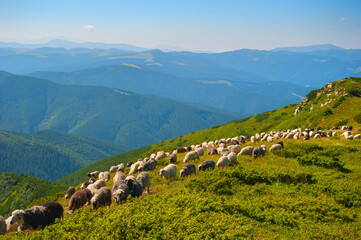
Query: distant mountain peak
{"points": [[311, 48]]}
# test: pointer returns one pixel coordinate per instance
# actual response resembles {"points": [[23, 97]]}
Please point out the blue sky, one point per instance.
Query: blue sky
{"points": [[199, 25]]}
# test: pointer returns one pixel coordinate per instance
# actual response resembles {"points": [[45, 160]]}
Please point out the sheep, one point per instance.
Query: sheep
{"points": [[69, 192], [222, 162], [357, 136], [2, 226], [211, 151], [12, 227], [200, 151], [160, 155], [234, 142], [181, 150], [169, 171], [246, 151], [129, 164], [101, 198], [210, 164], [92, 180], [258, 151], [275, 146], [317, 135], [104, 176], [120, 192], [153, 155], [121, 167], [334, 134], [349, 128], [135, 188], [253, 139], [94, 174], [270, 139], [38, 217], [79, 199], [113, 169], [307, 137], [187, 169], [236, 149], [204, 145], [144, 180], [95, 186], [150, 165], [191, 156], [173, 158], [350, 137], [281, 143], [134, 168], [329, 134], [232, 157], [118, 177], [85, 185]]}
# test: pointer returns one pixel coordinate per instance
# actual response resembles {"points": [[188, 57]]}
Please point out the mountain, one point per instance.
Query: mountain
{"points": [[114, 115], [252, 97], [18, 191], [55, 154], [312, 48], [61, 43], [307, 190]]}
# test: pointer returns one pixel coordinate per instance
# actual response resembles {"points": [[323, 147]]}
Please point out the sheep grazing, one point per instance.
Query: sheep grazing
{"points": [[210, 164], [349, 137], [317, 135], [187, 169], [349, 128], [118, 177], [169, 171], [12, 227], [160, 155], [234, 142], [173, 158], [222, 162], [120, 192], [121, 167], [253, 139], [101, 198], [246, 151], [236, 149], [69, 192], [92, 180], [38, 217], [94, 174], [211, 151], [129, 164], [134, 168], [2, 226], [85, 185], [148, 166], [307, 137], [200, 151], [281, 143], [144, 180], [191, 156], [135, 188], [334, 134], [95, 186], [181, 150], [189, 148], [104, 176], [113, 169], [258, 151], [357, 136], [232, 158], [274, 147], [79, 199]]}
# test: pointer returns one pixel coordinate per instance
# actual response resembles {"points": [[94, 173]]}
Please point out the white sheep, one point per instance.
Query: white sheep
{"points": [[118, 177], [246, 151], [193, 155], [95, 186], [200, 151], [104, 176], [134, 168], [222, 162], [236, 149], [169, 171], [275, 146], [357, 136], [12, 227], [253, 139], [113, 169], [232, 157]]}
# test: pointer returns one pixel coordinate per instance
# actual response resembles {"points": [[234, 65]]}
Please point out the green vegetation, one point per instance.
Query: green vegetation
{"points": [[18, 191], [308, 190], [54, 154]]}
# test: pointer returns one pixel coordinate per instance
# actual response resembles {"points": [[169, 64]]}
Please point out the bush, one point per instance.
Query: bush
{"points": [[357, 118], [341, 123], [338, 102], [327, 112], [312, 95], [354, 92], [261, 117], [322, 161]]}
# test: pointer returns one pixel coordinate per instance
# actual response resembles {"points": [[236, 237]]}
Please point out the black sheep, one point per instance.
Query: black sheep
{"points": [[38, 217], [129, 164], [210, 164], [135, 188]]}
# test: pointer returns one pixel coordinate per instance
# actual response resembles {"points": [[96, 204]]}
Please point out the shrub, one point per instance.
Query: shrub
{"points": [[338, 102], [342, 122], [322, 161], [312, 95], [261, 117], [327, 112], [354, 92], [357, 118]]}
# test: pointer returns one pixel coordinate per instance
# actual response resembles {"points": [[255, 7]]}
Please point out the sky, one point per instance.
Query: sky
{"points": [[196, 24]]}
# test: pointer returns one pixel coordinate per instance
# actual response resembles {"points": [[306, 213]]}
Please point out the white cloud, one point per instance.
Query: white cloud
{"points": [[89, 28], [343, 19]]}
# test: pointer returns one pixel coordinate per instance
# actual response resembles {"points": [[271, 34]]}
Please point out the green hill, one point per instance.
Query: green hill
{"points": [[18, 191], [308, 190], [30, 104], [55, 154]]}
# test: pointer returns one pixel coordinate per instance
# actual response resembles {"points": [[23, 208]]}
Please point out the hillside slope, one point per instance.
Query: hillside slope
{"points": [[308, 190], [342, 109], [252, 97], [55, 154], [31, 104]]}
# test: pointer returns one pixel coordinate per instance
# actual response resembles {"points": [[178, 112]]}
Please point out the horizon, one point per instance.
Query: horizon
{"points": [[195, 26]]}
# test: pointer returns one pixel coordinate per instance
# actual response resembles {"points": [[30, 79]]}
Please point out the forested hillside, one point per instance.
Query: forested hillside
{"points": [[125, 118], [54, 154]]}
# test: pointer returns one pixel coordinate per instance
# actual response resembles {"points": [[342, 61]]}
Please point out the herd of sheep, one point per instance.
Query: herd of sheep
{"points": [[94, 192]]}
